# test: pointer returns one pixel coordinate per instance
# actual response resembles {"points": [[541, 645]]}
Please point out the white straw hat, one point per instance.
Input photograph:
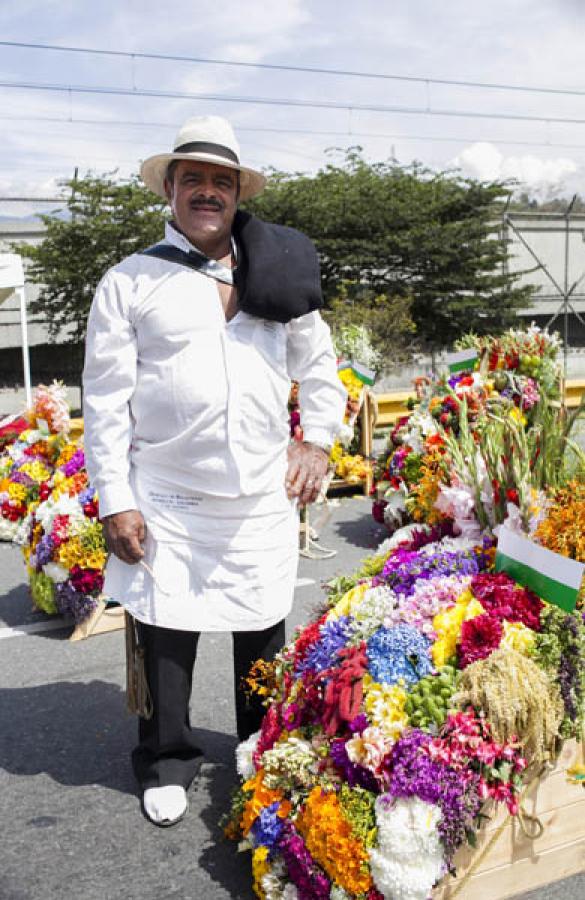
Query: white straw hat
{"points": [[208, 139]]}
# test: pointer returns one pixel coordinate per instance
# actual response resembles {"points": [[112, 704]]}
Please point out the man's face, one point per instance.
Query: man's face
{"points": [[203, 198]]}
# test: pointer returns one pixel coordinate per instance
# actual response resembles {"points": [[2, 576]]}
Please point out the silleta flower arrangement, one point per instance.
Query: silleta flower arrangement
{"points": [[504, 402], [64, 547], [27, 463], [419, 697], [432, 686]]}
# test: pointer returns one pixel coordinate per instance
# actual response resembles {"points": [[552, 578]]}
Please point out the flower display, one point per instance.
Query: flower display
{"points": [[415, 702], [371, 761], [28, 461], [63, 543], [450, 459]]}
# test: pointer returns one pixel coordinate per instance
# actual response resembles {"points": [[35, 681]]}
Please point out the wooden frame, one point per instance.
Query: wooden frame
{"points": [[516, 863], [367, 418]]}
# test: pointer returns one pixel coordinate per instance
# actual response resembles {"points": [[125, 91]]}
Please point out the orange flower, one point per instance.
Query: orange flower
{"points": [[332, 843], [261, 797]]}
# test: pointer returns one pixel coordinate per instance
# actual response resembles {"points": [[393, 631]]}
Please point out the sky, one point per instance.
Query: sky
{"points": [[47, 134]]}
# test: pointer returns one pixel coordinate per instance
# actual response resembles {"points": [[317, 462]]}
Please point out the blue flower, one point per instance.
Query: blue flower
{"points": [[399, 653], [334, 636], [268, 826]]}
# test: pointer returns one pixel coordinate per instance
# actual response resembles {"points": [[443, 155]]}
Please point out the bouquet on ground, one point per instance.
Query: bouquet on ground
{"points": [[27, 463], [64, 548]]}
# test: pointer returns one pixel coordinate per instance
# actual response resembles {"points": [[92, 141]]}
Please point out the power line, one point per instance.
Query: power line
{"points": [[281, 101], [312, 70], [396, 136]]}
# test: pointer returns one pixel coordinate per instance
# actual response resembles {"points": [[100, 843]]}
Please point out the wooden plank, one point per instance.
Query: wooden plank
{"points": [[525, 875], [561, 826], [101, 621], [514, 863]]}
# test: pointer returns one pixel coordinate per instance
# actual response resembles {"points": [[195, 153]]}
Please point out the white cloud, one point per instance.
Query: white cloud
{"points": [[540, 177]]}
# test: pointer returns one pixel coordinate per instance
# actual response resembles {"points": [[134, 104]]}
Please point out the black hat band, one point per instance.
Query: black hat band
{"points": [[205, 147]]}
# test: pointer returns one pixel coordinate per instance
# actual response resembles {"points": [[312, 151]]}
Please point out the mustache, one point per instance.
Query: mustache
{"points": [[207, 202]]}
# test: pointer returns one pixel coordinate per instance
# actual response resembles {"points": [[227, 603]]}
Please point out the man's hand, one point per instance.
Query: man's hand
{"points": [[307, 466], [125, 533]]}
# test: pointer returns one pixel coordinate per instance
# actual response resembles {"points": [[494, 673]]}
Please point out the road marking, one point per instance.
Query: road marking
{"points": [[304, 582], [32, 628], [37, 627]]}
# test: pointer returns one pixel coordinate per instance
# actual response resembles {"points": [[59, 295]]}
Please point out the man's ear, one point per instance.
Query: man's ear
{"points": [[168, 185]]}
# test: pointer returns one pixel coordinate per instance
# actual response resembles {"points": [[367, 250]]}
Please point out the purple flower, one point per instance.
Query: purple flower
{"points": [[353, 773], [322, 655], [44, 551], [19, 477], [412, 773], [310, 881], [74, 464], [86, 495], [71, 603]]}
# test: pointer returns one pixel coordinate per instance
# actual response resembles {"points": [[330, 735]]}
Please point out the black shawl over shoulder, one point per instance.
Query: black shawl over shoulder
{"points": [[278, 274]]}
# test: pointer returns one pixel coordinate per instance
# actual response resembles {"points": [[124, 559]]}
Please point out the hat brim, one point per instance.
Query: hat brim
{"points": [[154, 169]]}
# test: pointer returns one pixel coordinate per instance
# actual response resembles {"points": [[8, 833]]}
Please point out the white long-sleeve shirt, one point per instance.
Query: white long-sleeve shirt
{"points": [[174, 391]]}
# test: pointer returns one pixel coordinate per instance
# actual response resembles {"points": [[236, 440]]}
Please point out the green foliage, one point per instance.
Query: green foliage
{"points": [[386, 232], [106, 221]]}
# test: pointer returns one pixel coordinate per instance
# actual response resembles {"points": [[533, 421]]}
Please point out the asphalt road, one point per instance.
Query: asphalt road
{"points": [[70, 821]]}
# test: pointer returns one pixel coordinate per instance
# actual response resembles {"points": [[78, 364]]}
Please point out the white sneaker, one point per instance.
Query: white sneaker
{"points": [[165, 805]]}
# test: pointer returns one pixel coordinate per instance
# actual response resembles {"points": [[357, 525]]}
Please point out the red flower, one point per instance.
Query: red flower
{"points": [[378, 507], [306, 639], [479, 637], [512, 495], [503, 598], [86, 581]]}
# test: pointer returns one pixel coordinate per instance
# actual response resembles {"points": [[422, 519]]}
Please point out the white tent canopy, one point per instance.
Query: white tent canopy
{"points": [[12, 281]]}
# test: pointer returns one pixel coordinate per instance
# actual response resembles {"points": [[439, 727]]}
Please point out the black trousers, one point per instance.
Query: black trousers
{"points": [[167, 752]]}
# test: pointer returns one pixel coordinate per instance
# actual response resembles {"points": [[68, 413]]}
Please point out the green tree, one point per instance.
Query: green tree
{"points": [[388, 231], [105, 221]]}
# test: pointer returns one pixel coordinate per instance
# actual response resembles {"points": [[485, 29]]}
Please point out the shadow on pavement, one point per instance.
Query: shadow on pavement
{"points": [[77, 733], [220, 858], [353, 531]]}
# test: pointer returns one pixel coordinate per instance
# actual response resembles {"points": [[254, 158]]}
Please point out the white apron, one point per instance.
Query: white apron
{"points": [[211, 563]]}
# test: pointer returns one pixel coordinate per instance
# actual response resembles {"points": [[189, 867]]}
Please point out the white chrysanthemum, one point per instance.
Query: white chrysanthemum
{"points": [[244, 753], [408, 859], [20, 536], [56, 572], [377, 603], [7, 529], [274, 884], [399, 537], [62, 506]]}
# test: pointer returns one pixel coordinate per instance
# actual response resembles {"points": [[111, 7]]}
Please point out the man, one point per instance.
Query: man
{"points": [[191, 347]]}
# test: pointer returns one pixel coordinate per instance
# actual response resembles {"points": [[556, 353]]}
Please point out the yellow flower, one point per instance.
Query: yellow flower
{"points": [[96, 559], [17, 492], [448, 624], [517, 416], [332, 843], [349, 601], [260, 866], [518, 637], [384, 705], [36, 470], [351, 383], [71, 553]]}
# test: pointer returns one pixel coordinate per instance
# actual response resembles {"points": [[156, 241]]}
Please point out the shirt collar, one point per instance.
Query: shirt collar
{"points": [[211, 267]]}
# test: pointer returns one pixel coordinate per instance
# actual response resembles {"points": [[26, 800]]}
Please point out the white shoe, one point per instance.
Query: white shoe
{"points": [[165, 805]]}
